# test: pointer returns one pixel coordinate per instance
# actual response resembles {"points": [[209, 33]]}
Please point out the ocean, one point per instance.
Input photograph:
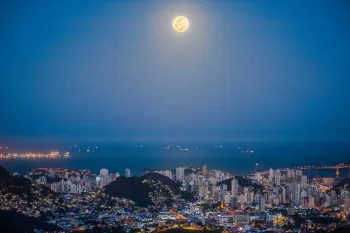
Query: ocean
{"points": [[237, 158]]}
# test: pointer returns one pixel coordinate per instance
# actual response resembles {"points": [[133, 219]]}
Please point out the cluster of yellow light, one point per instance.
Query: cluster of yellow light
{"points": [[81, 228], [51, 155], [280, 221], [54, 154], [27, 155], [178, 216]]}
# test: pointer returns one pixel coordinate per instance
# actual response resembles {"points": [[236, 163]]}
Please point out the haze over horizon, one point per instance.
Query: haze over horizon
{"points": [[117, 71]]}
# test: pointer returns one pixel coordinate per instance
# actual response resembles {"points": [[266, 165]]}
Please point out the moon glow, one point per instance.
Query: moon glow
{"points": [[180, 24]]}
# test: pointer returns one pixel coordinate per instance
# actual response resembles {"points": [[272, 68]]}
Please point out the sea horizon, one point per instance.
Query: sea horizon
{"points": [[236, 158]]}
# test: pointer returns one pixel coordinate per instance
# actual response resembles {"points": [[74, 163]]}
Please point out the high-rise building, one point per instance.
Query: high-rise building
{"points": [[290, 173], [180, 174], [43, 179], [104, 172], [262, 203], [205, 171], [258, 177], [104, 180], [270, 174], [53, 187], [234, 202], [247, 194], [283, 194], [234, 187], [98, 179], [127, 172], [277, 176], [167, 173], [295, 188], [303, 181], [62, 188], [298, 172], [311, 202], [203, 192], [227, 198]]}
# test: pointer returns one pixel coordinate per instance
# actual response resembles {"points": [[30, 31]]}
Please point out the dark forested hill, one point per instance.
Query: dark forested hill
{"points": [[21, 186], [150, 189]]}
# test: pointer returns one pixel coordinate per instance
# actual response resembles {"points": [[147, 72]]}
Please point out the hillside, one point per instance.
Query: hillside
{"points": [[242, 181], [11, 221], [5, 178], [150, 189], [18, 185]]}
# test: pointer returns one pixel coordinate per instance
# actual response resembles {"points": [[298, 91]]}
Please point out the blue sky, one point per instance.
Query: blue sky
{"points": [[115, 70]]}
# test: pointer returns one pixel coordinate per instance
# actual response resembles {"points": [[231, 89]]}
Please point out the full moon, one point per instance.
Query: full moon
{"points": [[180, 24]]}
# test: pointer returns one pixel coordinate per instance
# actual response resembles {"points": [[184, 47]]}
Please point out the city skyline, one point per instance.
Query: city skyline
{"points": [[187, 199], [164, 116]]}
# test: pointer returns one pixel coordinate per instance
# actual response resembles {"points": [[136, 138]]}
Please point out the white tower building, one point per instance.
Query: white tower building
{"points": [[127, 172], [180, 174], [234, 187]]}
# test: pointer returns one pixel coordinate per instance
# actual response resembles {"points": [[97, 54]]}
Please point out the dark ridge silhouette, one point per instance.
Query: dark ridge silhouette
{"points": [[21, 186], [11, 221], [5, 178], [244, 182], [138, 189]]}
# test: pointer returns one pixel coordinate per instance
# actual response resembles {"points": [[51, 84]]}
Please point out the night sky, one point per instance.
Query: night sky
{"points": [[116, 70]]}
